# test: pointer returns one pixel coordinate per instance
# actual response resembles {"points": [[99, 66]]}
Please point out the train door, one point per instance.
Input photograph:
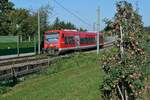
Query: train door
{"points": [[77, 41]]}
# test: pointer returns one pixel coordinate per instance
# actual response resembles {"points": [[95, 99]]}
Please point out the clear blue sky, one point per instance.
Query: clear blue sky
{"points": [[86, 9]]}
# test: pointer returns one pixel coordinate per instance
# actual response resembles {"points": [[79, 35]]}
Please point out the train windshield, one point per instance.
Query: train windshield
{"points": [[52, 37]]}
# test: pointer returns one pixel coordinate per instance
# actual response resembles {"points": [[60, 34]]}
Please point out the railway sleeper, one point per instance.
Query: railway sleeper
{"points": [[3, 72], [16, 72], [26, 70]]}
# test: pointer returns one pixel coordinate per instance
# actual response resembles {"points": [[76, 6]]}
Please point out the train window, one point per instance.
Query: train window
{"points": [[87, 40], [62, 35], [83, 40], [69, 40], [90, 40], [52, 37], [66, 40], [72, 40]]}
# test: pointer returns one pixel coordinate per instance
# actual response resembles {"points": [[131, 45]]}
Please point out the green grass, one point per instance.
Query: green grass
{"points": [[76, 78]]}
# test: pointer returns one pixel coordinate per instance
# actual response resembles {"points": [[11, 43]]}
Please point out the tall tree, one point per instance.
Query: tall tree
{"points": [[108, 30], [123, 68], [32, 24], [45, 11], [56, 24], [18, 23], [5, 8], [59, 25]]}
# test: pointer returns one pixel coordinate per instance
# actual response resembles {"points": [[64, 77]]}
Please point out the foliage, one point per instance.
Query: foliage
{"points": [[147, 37], [24, 22], [16, 21], [109, 27], [45, 11], [124, 76], [18, 24], [4, 89], [59, 25], [5, 8], [6, 85]]}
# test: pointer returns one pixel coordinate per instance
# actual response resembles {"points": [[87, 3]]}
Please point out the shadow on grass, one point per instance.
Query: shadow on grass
{"points": [[6, 85]]}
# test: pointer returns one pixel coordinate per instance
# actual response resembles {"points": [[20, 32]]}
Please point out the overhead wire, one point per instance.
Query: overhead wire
{"points": [[70, 12]]}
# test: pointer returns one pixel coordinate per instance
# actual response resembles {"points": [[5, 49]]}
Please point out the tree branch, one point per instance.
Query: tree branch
{"points": [[122, 97]]}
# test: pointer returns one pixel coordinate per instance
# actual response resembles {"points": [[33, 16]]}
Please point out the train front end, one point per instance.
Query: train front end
{"points": [[51, 41]]}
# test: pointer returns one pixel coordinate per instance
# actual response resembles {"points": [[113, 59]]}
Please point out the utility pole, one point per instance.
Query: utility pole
{"points": [[94, 26], [98, 28], [18, 39], [39, 36]]}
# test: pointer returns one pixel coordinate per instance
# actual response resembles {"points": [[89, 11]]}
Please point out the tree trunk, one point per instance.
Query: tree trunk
{"points": [[122, 97]]}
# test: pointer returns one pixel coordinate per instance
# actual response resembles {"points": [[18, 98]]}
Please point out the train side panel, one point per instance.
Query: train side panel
{"points": [[67, 40], [70, 40]]}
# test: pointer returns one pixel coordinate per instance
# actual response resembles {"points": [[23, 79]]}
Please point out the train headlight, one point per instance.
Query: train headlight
{"points": [[51, 45]]}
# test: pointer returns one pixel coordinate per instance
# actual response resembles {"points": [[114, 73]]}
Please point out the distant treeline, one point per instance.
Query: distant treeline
{"points": [[24, 22], [147, 29]]}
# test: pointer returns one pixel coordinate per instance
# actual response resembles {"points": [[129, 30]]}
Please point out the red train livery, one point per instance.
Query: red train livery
{"points": [[58, 41]]}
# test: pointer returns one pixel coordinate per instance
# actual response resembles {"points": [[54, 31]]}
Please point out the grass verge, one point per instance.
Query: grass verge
{"points": [[77, 78], [74, 78]]}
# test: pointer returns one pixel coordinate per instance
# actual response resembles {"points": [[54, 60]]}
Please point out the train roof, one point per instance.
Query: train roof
{"points": [[70, 31]]}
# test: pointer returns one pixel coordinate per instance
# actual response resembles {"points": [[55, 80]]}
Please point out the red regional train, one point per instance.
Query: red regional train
{"points": [[59, 41]]}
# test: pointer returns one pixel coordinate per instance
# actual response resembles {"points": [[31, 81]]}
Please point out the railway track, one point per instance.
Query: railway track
{"points": [[19, 60], [24, 67], [18, 67]]}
